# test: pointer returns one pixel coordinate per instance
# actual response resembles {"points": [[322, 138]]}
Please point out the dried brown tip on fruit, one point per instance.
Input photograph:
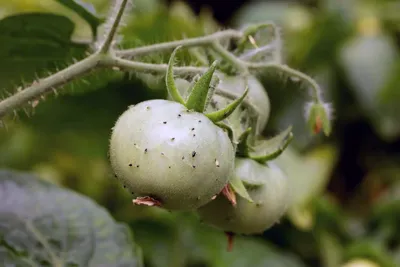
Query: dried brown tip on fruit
{"points": [[228, 192], [317, 125], [147, 201], [230, 236]]}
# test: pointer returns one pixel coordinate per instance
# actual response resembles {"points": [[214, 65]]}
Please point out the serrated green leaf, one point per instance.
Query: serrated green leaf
{"points": [[86, 11], [198, 96], [265, 150], [224, 113], [239, 188], [45, 225]]}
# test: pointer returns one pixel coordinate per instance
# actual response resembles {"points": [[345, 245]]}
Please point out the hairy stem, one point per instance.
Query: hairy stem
{"points": [[43, 86], [128, 65], [231, 58], [190, 42], [316, 90], [121, 5]]}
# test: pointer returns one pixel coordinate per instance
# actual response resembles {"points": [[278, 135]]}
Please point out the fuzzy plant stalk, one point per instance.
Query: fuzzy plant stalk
{"points": [[105, 54]]}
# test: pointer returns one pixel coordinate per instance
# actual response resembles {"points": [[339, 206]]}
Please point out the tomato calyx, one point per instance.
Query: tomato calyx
{"points": [[200, 94]]}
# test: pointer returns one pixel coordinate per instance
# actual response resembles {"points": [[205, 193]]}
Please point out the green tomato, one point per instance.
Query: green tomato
{"points": [[368, 61], [159, 149], [267, 186], [257, 95]]}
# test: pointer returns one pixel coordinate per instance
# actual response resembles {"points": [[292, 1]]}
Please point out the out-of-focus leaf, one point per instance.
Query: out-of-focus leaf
{"points": [[261, 11], [160, 243], [370, 250], [45, 225], [330, 249], [182, 241], [34, 44], [86, 11], [368, 61], [388, 203], [389, 96], [360, 263], [209, 247], [38, 44], [308, 177]]}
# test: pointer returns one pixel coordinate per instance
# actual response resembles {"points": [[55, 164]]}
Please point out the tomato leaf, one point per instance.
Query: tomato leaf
{"points": [[45, 225], [86, 11], [37, 44], [265, 150], [34, 44]]}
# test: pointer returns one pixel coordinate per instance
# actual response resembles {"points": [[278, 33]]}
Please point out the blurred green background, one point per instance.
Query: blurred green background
{"points": [[346, 188]]}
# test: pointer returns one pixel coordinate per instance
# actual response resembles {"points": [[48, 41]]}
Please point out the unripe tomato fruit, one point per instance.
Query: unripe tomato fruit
{"points": [[257, 94], [160, 149], [268, 187]]}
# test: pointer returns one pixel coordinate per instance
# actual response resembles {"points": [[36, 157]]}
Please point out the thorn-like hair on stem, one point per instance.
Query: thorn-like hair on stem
{"points": [[114, 23]]}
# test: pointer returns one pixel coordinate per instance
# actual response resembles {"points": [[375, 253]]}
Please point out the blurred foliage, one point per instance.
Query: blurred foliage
{"points": [[352, 49]]}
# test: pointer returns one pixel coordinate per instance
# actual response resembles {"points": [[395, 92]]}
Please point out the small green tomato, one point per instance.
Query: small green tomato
{"points": [[257, 95], [163, 152], [267, 186]]}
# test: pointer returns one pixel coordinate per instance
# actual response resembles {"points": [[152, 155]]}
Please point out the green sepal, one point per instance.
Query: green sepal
{"points": [[213, 86], [226, 128], [222, 114], [198, 96], [243, 147], [170, 81], [239, 188], [270, 149]]}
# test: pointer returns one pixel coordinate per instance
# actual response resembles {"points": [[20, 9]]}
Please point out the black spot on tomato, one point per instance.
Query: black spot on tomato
{"points": [[192, 129], [193, 154], [137, 166], [145, 150], [130, 165], [164, 122]]}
